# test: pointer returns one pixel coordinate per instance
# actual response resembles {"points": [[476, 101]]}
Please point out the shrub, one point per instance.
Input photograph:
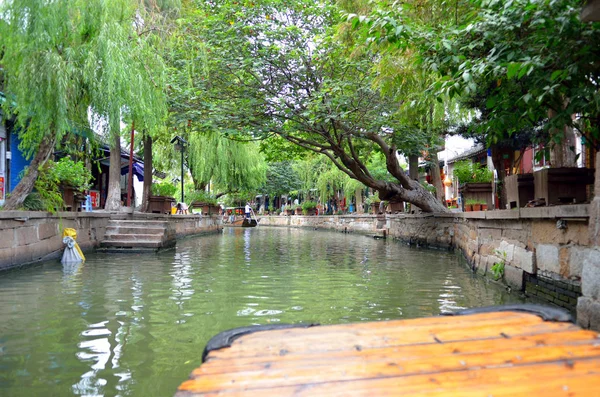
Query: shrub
{"points": [[308, 205], [71, 173], [200, 197], [466, 171], [164, 189], [373, 199], [53, 174]]}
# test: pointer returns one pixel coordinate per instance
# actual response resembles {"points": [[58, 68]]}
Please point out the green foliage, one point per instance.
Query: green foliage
{"points": [[231, 166], [34, 202], [281, 179], [48, 190], [164, 189], [468, 172], [200, 196], [498, 267], [309, 205], [429, 187], [483, 174], [373, 199], [51, 178], [66, 60], [71, 173], [471, 202], [275, 68]]}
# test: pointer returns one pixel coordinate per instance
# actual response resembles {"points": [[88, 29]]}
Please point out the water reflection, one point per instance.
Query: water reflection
{"points": [[136, 324]]}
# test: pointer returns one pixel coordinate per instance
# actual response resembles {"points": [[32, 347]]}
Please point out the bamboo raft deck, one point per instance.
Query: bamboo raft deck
{"points": [[506, 353]]}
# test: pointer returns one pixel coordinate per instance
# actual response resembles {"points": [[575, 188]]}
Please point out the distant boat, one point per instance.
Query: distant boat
{"points": [[245, 222]]}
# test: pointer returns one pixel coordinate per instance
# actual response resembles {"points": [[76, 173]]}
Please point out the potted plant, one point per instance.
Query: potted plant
{"points": [[162, 198], [469, 204], [288, 210], [475, 181], [203, 200], [74, 179], [373, 201], [62, 184], [309, 208]]}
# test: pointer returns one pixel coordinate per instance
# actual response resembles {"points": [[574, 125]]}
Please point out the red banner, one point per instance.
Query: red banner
{"points": [[95, 198]]}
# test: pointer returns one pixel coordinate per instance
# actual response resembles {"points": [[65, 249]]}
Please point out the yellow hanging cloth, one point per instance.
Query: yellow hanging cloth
{"points": [[68, 232]]}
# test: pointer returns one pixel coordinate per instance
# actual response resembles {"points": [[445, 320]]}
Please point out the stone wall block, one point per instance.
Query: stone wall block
{"points": [[6, 258], [588, 313], [563, 260], [489, 248], [508, 249], [7, 238], [524, 259], [590, 275], [576, 257], [546, 258], [45, 247], [47, 230], [513, 277], [26, 235], [516, 236], [472, 247], [483, 265], [490, 234], [545, 232], [594, 228]]}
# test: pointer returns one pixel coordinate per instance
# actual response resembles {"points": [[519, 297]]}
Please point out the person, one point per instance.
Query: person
{"points": [[182, 208], [247, 210]]}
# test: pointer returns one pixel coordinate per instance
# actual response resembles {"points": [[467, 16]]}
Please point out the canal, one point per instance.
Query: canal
{"points": [[136, 325]]}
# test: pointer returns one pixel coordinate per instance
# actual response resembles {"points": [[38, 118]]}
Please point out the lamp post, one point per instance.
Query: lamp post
{"points": [[180, 146]]}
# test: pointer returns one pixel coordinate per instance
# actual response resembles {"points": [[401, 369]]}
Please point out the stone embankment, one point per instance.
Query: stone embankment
{"points": [[543, 249], [28, 237]]}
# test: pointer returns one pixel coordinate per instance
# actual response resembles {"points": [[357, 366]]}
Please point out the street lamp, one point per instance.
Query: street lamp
{"points": [[180, 146]]}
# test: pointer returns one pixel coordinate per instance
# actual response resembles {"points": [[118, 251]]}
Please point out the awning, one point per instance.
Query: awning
{"points": [[138, 169]]}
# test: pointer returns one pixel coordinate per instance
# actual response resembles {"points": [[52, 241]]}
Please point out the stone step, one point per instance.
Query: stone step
{"points": [[117, 229], [137, 223], [126, 250], [132, 237], [132, 244]]}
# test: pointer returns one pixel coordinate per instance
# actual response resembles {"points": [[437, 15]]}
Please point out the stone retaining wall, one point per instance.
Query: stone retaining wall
{"points": [[29, 236]]}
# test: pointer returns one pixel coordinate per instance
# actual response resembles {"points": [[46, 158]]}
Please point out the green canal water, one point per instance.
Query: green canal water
{"points": [[136, 325]]}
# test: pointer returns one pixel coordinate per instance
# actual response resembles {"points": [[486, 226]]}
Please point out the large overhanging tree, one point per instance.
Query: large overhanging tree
{"points": [[273, 70]]}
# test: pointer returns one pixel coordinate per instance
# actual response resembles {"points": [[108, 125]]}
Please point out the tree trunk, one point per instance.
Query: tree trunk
{"points": [[416, 195], [436, 177], [113, 197], [147, 191], [497, 160], [359, 201], [25, 185], [413, 167], [563, 154]]}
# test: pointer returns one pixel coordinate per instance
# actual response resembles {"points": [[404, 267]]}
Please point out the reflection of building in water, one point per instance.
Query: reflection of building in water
{"points": [[182, 281], [101, 340], [247, 244]]}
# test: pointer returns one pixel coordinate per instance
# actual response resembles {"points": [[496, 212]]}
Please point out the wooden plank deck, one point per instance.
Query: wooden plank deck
{"points": [[486, 354]]}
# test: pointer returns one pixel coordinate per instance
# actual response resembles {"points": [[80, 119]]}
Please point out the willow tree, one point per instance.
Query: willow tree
{"points": [[230, 165], [66, 59]]}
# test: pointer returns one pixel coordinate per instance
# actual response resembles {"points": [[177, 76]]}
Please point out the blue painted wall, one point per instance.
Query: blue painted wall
{"points": [[17, 162]]}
